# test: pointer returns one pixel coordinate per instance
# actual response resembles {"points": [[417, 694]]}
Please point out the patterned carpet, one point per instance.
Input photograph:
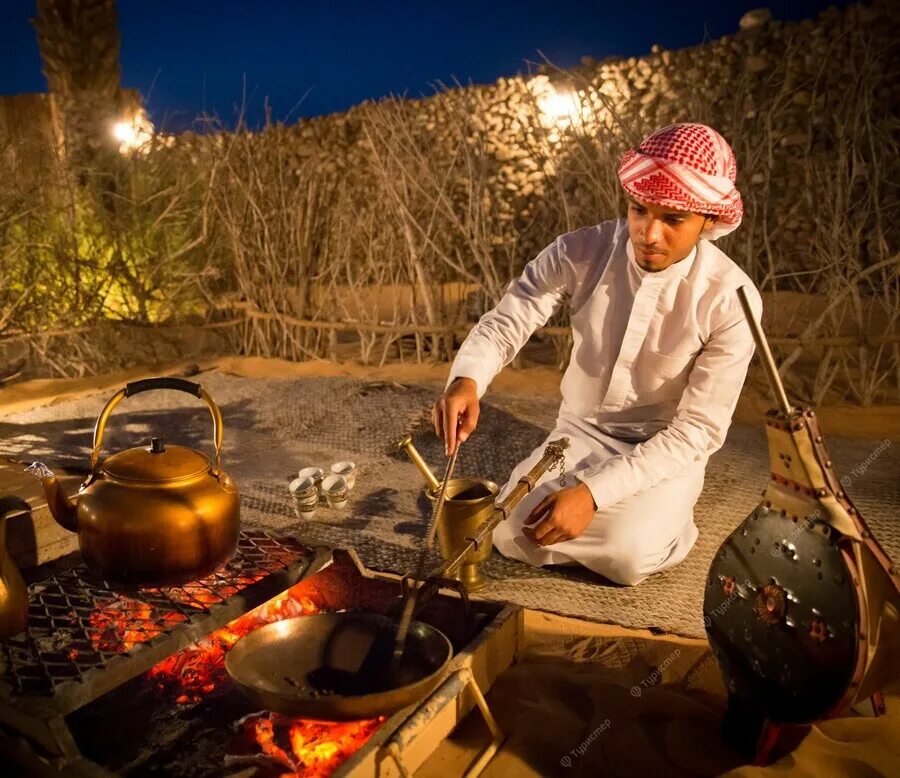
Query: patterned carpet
{"points": [[275, 427]]}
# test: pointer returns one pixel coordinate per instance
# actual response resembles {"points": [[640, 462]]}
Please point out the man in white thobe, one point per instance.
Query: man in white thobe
{"points": [[660, 352]]}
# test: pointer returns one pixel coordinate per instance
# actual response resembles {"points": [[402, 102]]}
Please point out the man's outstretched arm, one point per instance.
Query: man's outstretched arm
{"points": [[528, 302]]}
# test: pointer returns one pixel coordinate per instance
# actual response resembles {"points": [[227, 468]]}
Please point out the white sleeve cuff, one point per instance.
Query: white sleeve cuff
{"points": [[601, 487], [478, 369]]}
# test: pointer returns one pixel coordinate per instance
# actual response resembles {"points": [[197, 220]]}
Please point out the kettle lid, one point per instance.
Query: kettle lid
{"points": [[156, 463]]}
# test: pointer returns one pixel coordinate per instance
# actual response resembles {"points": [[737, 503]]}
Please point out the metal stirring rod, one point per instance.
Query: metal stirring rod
{"points": [[411, 595]]}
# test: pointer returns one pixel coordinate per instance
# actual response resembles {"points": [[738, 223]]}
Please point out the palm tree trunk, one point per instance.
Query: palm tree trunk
{"points": [[79, 46]]}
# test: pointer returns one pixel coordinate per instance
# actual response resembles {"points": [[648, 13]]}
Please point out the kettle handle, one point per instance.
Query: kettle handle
{"points": [[146, 385]]}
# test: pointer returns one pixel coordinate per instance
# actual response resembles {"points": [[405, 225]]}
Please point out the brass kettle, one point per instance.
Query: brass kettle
{"points": [[13, 595], [158, 515]]}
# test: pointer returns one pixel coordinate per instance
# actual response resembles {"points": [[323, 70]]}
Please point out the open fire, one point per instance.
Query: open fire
{"points": [[302, 746], [185, 714], [120, 624], [292, 745], [198, 669]]}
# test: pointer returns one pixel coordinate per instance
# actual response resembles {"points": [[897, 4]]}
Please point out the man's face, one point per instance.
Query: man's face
{"points": [[662, 236]]}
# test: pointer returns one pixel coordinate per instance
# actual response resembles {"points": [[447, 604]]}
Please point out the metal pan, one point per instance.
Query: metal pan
{"points": [[271, 665]]}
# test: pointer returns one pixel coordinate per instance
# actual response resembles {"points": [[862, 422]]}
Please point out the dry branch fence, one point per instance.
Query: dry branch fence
{"points": [[389, 244]]}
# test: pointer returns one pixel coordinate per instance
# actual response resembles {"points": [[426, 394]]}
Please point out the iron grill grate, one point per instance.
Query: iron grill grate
{"points": [[78, 625]]}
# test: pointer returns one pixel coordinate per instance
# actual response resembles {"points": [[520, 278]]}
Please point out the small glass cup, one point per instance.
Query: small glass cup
{"points": [[334, 487], [316, 473], [347, 470], [305, 496], [303, 487]]}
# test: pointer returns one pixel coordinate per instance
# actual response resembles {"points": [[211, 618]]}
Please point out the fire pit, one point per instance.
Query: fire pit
{"points": [[108, 682]]}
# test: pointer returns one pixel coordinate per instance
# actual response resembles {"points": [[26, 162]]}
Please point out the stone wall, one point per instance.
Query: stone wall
{"points": [[789, 96]]}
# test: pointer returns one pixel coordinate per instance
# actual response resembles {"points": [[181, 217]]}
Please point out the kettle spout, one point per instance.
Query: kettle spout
{"points": [[62, 507]]}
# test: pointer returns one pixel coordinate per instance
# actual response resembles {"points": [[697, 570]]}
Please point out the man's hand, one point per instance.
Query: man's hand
{"points": [[560, 516], [455, 414]]}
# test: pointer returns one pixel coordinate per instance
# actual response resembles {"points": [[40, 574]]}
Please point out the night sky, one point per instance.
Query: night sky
{"points": [[194, 56]]}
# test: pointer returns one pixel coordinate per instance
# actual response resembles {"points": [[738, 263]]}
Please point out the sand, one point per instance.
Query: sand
{"points": [[591, 700]]}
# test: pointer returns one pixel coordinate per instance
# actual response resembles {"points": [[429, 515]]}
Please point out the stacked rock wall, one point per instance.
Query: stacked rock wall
{"points": [[467, 185], [805, 105]]}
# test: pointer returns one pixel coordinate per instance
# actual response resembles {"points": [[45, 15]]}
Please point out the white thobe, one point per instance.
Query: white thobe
{"points": [[658, 361]]}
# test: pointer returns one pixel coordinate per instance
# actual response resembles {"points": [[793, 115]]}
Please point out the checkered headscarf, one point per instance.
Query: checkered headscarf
{"points": [[687, 167]]}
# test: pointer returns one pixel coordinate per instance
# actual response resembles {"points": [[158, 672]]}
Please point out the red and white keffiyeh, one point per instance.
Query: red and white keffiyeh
{"points": [[686, 167]]}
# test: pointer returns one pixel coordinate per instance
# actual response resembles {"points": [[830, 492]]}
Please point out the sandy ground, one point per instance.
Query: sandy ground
{"points": [[873, 423], [590, 700]]}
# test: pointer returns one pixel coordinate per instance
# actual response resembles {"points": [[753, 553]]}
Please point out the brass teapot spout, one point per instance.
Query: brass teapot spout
{"points": [[62, 507]]}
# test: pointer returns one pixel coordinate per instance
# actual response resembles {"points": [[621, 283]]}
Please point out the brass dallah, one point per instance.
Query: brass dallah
{"points": [[13, 595]]}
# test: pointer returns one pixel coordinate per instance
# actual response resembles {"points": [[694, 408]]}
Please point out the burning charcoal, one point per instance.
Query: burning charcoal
{"points": [[263, 761], [261, 728], [54, 642], [302, 746]]}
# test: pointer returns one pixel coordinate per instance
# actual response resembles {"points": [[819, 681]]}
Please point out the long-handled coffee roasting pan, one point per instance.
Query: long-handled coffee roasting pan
{"points": [[317, 666]]}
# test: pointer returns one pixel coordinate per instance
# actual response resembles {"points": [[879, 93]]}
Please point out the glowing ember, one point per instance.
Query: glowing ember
{"points": [[119, 625], [197, 670], [299, 746], [305, 747]]}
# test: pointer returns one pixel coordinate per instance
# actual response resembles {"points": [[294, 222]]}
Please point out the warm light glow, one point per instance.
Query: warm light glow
{"points": [[561, 108], [134, 133], [307, 747]]}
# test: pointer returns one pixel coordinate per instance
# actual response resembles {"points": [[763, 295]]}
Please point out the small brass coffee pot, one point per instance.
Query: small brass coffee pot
{"points": [[468, 504], [13, 594], [469, 515]]}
